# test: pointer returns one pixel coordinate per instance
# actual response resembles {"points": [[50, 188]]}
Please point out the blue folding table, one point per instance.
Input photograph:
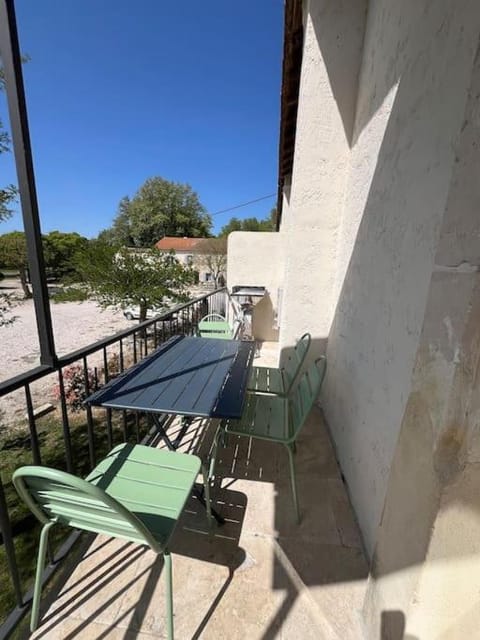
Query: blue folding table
{"points": [[187, 376]]}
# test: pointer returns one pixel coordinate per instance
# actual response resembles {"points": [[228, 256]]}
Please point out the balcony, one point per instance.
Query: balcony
{"points": [[259, 575]]}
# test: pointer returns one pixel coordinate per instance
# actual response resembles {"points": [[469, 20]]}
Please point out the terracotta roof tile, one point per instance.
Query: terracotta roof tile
{"points": [[169, 243]]}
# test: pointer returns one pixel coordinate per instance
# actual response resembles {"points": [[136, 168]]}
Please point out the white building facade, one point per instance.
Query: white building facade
{"points": [[378, 257]]}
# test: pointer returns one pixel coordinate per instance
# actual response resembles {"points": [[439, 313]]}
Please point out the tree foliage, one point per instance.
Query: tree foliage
{"points": [[159, 208], [6, 304], [59, 250], [122, 277], [249, 224], [13, 253]]}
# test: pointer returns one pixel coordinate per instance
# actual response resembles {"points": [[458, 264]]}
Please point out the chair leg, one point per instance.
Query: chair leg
{"points": [[169, 593], [37, 591], [293, 480], [208, 506]]}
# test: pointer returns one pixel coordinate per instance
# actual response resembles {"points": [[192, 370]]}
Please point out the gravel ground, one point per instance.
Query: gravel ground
{"points": [[75, 325]]}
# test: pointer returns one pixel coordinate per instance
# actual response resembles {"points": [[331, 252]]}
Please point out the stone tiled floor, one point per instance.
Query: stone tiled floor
{"points": [[259, 576]]}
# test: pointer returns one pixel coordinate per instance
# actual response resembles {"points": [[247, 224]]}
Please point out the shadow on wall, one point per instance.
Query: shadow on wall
{"points": [[339, 28], [341, 34], [263, 320], [318, 347], [379, 316]]}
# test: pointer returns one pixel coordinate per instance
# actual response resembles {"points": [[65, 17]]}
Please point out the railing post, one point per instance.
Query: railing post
{"points": [[6, 530], [65, 423], [12, 68]]}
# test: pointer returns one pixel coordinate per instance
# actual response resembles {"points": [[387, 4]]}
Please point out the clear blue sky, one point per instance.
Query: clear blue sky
{"points": [[118, 91]]}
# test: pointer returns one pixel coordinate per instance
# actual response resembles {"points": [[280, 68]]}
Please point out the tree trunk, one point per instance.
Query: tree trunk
{"points": [[143, 312], [23, 281], [143, 317]]}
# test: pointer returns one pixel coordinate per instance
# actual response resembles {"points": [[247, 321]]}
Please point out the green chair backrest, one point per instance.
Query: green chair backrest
{"points": [[305, 393], [294, 362], [214, 325], [56, 496]]}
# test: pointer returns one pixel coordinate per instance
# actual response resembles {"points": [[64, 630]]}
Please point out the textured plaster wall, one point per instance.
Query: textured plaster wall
{"points": [[427, 555], [257, 258], [416, 72], [333, 37]]}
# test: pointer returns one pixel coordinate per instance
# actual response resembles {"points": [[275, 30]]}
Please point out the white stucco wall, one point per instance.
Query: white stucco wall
{"points": [[258, 258], [382, 258], [331, 60], [397, 204]]}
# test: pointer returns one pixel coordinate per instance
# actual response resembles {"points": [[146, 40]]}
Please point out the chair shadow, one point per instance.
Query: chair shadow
{"points": [[325, 548], [117, 567]]}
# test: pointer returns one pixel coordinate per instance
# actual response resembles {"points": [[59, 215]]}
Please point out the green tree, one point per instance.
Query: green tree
{"points": [[159, 208], [13, 253], [122, 277], [233, 225], [60, 249], [119, 233], [250, 224]]}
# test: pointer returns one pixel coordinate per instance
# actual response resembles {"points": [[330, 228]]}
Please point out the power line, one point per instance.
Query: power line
{"points": [[244, 204]]}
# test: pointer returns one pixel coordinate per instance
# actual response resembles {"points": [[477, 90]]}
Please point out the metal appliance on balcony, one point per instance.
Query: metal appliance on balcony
{"points": [[246, 297]]}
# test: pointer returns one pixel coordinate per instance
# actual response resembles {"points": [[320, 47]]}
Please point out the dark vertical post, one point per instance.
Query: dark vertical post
{"points": [[88, 409], [12, 68], [109, 413], [65, 423], [6, 530], [33, 427]]}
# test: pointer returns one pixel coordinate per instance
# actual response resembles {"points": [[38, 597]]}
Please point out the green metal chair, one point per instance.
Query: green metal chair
{"points": [[215, 325], [280, 381], [136, 493], [276, 418]]}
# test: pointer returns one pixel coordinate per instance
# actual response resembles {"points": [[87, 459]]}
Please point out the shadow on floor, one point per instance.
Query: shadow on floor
{"points": [[260, 575], [322, 558], [116, 584]]}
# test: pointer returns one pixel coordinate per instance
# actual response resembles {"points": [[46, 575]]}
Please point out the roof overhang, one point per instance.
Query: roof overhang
{"points": [[291, 70]]}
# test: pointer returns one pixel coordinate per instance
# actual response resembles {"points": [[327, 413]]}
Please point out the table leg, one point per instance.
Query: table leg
{"points": [[163, 433], [186, 422]]}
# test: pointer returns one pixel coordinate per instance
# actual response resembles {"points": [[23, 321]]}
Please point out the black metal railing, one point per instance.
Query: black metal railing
{"points": [[76, 436]]}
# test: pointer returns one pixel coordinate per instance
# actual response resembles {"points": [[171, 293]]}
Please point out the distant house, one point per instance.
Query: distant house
{"points": [[207, 256]]}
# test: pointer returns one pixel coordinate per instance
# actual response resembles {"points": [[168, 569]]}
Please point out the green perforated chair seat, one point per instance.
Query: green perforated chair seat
{"points": [[151, 483], [266, 380], [264, 417]]}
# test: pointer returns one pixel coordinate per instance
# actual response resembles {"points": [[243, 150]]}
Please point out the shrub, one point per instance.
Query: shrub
{"points": [[5, 307], [74, 385], [113, 365]]}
